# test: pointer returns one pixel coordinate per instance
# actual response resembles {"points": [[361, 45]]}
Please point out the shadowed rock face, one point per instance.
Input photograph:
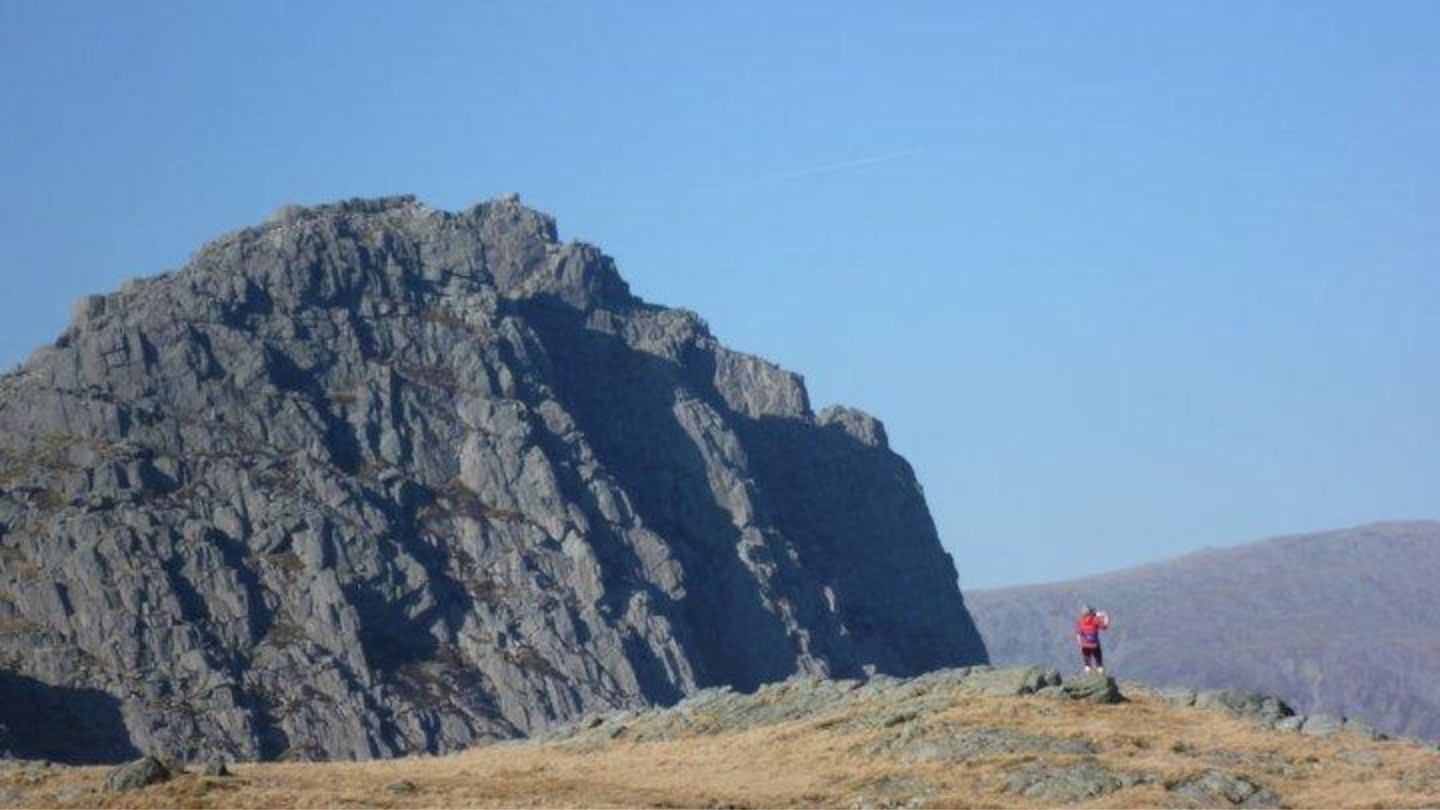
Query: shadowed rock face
{"points": [[372, 479], [1341, 622], [74, 726]]}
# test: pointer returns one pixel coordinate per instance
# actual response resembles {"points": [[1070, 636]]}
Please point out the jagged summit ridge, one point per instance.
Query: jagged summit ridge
{"points": [[519, 254], [372, 478]]}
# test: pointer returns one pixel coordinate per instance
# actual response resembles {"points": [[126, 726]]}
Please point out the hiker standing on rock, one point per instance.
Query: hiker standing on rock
{"points": [[1087, 633]]}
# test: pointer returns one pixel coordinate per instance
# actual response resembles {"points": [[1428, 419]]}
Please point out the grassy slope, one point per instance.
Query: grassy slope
{"points": [[839, 755]]}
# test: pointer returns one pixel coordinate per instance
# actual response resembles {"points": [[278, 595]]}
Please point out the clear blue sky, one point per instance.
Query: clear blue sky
{"points": [[1122, 280]]}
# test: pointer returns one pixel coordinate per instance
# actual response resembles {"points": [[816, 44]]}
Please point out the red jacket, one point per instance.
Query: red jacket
{"points": [[1087, 631]]}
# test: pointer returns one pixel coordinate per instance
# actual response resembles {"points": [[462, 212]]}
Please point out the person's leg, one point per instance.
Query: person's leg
{"points": [[1099, 661], [1088, 654]]}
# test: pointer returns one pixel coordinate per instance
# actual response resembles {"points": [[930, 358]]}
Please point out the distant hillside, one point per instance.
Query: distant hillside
{"points": [[1339, 622]]}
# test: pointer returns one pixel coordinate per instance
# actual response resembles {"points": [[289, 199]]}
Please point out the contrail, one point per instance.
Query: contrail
{"points": [[814, 170]]}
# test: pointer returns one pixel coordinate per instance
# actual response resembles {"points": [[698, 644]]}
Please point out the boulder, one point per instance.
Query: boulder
{"points": [[215, 766], [1323, 725], [1356, 727], [1263, 708], [138, 774], [1292, 723], [1093, 689]]}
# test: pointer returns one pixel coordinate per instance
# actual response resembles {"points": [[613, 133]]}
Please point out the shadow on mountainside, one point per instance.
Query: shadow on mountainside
{"points": [[623, 400], [871, 584], [62, 724], [844, 503]]}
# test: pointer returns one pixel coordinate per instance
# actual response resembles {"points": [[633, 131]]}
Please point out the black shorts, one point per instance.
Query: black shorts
{"points": [[1092, 654]]}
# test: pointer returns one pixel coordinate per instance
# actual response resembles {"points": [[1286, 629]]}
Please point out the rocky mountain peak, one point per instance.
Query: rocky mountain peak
{"points": [[497, 247], [371, 478]]}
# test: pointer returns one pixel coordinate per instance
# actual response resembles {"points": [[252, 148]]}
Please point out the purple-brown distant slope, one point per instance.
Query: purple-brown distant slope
{"points": [[1346, 622]]}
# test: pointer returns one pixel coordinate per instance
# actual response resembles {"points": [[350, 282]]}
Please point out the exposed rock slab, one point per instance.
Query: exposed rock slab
{"points": [[977, 743], [1011, 681], [1093, 689], [141, 773], [1267, 709], [1219, 789], [1067, 784]]}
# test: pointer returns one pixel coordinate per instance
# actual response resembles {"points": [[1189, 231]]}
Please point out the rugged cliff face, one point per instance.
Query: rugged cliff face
{"points": [[1341, 622], [371, 479]]}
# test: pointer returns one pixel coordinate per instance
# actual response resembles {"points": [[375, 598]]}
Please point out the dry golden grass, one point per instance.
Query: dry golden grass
{"points": [[805, 763]]}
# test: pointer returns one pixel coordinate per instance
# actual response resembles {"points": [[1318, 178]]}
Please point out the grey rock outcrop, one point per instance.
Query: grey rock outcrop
{"points": [[898, 717], [1067, 784], [1358, 727], [1217, 789], [972, 743], [1266, 709], [1093, 689], [141, 773], [215, 766], [373, 479], [1011, 681], [1292, 723], [1322, 725]]}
